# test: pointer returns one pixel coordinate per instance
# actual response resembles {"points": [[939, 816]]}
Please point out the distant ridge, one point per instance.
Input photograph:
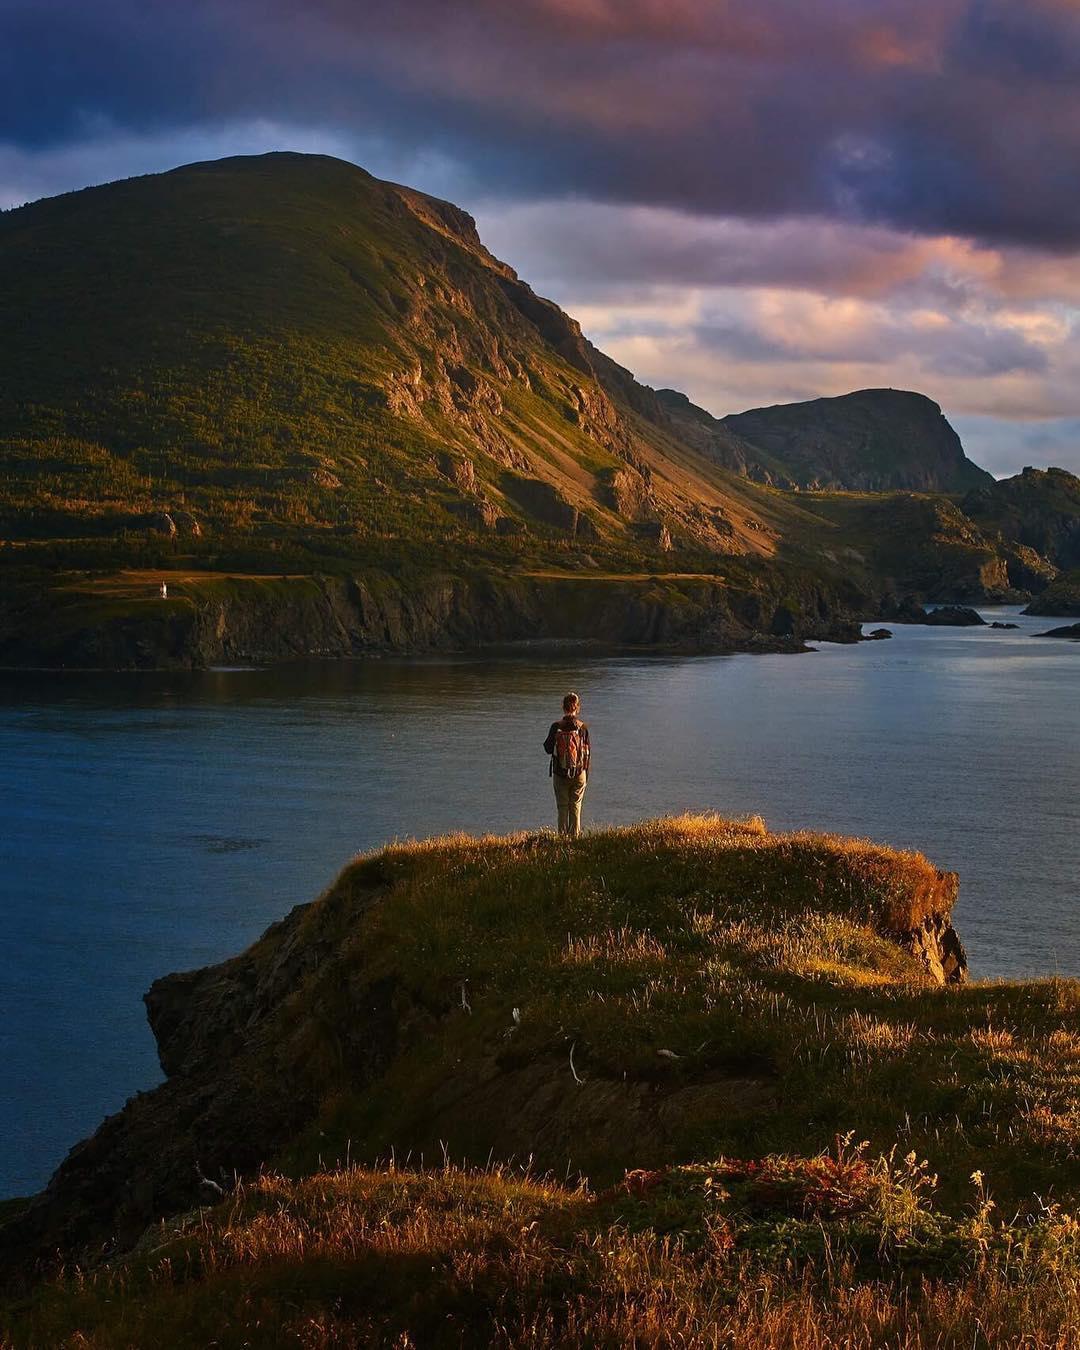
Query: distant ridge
{"points": [[872, 440]]}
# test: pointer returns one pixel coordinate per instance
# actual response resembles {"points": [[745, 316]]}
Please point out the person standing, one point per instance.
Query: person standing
{"points": [[568, 745]]}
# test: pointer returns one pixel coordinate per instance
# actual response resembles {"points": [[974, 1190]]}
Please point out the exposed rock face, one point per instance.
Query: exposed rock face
{"points": [[936, 943], [478, 512], [872, 440], [925, 547], [629, 493], [460, 471], [547, 505]]}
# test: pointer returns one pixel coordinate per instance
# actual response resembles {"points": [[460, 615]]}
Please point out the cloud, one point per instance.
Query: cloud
{"points": [[940, 116], [753, 200]]}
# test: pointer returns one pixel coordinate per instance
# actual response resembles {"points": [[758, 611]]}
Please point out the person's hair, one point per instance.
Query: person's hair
{"points": [[571, 702]]}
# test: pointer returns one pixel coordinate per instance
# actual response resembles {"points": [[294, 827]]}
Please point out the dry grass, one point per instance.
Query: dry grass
{"points": [[727, 994], [826, 1253]]}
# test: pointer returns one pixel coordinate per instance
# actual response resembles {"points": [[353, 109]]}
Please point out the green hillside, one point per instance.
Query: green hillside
{"points": [[286, 348]]}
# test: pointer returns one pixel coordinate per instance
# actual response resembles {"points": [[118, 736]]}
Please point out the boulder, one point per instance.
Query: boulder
{"points": [[877, 635], [160, 522], [998, 624], [954, 616], [1071, 630], [187, 524]]}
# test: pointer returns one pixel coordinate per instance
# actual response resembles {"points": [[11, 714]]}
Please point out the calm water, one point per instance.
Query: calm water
{"points": [[152, 824]]}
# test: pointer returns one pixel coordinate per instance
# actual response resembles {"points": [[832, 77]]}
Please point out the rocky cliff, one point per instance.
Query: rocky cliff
{"points": [[1060, 599], [213, 619]]}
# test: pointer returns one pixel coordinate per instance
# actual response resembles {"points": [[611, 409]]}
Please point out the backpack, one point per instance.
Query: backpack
{"points": [[571, 751]]}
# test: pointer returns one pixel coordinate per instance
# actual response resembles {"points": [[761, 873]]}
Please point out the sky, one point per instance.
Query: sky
{"points": [[753, 201]]}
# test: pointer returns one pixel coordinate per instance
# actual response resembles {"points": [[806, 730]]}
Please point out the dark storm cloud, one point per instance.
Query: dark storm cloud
{"points": [[955, 116]]}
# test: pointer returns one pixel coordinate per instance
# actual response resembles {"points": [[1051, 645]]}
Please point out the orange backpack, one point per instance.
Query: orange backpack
{"points": [[571, 751]]}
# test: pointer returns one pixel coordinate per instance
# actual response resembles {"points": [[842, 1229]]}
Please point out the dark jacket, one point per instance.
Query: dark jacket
{"points": [[549, 745]]}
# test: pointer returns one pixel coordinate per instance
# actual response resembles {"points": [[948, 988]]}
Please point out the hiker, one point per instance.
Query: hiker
{"points": [[568, 745]]}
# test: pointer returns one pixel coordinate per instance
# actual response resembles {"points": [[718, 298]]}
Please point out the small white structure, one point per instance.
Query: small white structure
{"points": [[164, 591]]}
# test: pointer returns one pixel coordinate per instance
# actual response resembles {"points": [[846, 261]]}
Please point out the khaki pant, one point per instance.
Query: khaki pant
{"points": [[568, 795]]}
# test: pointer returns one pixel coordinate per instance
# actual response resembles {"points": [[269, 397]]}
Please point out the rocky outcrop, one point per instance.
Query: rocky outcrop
{"points": [[954, 616], [1071, 630], [459, 470], [547, 505], [628, 492], [1061, 599], [937, 945]]}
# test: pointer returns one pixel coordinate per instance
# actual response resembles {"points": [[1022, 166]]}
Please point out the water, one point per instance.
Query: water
{"points": [[156, 823]]}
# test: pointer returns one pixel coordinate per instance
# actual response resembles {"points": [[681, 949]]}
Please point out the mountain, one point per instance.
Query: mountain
{"points": [[873, 440], [319, 409], [284, 347]]}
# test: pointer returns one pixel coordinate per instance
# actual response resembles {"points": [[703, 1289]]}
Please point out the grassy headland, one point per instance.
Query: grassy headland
{"points": [[725, 1013]]}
